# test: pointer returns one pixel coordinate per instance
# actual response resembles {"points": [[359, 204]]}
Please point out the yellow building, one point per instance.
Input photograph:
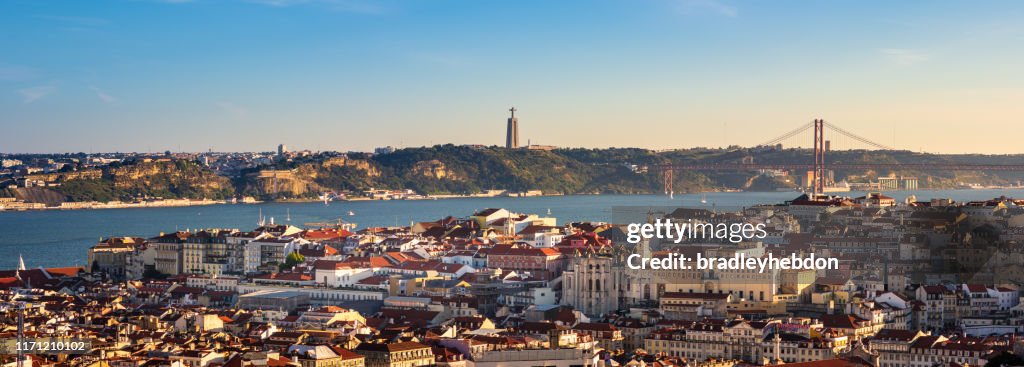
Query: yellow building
{"points": [[403, 354], [325, 356], [111, 255]]}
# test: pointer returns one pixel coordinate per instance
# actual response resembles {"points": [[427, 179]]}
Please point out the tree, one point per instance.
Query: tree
{"points": [[292, 259]]}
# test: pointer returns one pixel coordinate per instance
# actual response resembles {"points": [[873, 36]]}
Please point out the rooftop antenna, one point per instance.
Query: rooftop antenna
{"points": [[21, 333]]}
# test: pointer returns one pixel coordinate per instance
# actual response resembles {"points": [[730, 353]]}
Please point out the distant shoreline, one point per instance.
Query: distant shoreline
{"points": [[175, 203], [87, 205]]}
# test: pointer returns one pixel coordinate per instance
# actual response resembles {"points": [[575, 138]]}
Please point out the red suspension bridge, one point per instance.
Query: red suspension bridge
{"points": [[818, 169]]}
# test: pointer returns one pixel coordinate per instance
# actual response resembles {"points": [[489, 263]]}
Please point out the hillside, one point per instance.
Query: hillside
{"points": [[446, 169], [451, 169], [127, 182]]}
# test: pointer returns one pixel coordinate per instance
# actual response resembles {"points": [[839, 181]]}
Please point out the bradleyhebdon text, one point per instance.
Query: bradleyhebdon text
{"points": [[740, 261]]}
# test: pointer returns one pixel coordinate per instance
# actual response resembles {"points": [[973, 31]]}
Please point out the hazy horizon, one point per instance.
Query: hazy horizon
{"points": [[352, 75], [371, 150]]}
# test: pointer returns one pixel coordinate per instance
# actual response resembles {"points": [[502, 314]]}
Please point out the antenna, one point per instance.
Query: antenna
{"points": [[21, 333]]}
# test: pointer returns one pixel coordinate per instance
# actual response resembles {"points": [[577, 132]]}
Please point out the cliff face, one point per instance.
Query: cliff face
{"points": [[284, 182], [166, 179], [176, 177], [89, 174], [432, 169], [311, 179], [357, 164]]}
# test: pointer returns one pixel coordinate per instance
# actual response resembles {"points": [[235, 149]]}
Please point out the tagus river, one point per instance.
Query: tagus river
{"points": [[60, 238]]}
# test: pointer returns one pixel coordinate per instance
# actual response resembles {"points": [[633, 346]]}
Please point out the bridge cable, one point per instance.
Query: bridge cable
{"points": [[858, 138], [788, 135]]}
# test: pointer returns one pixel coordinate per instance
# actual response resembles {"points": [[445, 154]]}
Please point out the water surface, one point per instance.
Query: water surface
{"points": [[60, 238]]}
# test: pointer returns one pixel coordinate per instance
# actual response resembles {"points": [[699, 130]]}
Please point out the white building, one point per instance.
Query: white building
{"points": [[338, 274], [213, 281], [320, 296], [269, 252]]}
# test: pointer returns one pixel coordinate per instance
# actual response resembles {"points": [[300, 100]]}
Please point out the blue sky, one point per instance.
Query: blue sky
{"points": [[230, 75]]}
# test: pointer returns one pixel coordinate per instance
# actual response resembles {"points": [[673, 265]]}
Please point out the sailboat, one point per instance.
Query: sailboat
{"points": [[671, 195], [704, 199], [288, 214]]}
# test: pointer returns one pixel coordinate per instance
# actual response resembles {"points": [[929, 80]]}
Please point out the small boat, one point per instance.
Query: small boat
{"points": [[351, 213]]}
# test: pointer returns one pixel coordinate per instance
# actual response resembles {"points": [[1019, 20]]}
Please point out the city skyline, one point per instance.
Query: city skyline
{"points": [[355, 75]]}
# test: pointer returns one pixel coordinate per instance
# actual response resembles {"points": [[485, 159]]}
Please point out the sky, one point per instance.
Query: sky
{"points": [[246, 75]]}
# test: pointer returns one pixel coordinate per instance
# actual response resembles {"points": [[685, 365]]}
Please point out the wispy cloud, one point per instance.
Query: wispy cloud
{"points": [[704, 6], [32, 94], [903, 56], [103, 96]]}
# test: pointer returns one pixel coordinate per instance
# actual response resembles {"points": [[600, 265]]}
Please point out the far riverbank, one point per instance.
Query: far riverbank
{"points": [[61, 237]]}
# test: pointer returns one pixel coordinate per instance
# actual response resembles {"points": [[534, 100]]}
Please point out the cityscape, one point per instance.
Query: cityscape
{"points": [[392, 183], [920, 283]]}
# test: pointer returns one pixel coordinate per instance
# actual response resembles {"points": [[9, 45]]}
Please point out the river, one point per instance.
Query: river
{"points": [[52, 238]]}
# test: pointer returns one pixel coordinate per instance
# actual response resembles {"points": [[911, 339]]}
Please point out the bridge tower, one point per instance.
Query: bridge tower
{"points": [[668, 182], [819, 157]]}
